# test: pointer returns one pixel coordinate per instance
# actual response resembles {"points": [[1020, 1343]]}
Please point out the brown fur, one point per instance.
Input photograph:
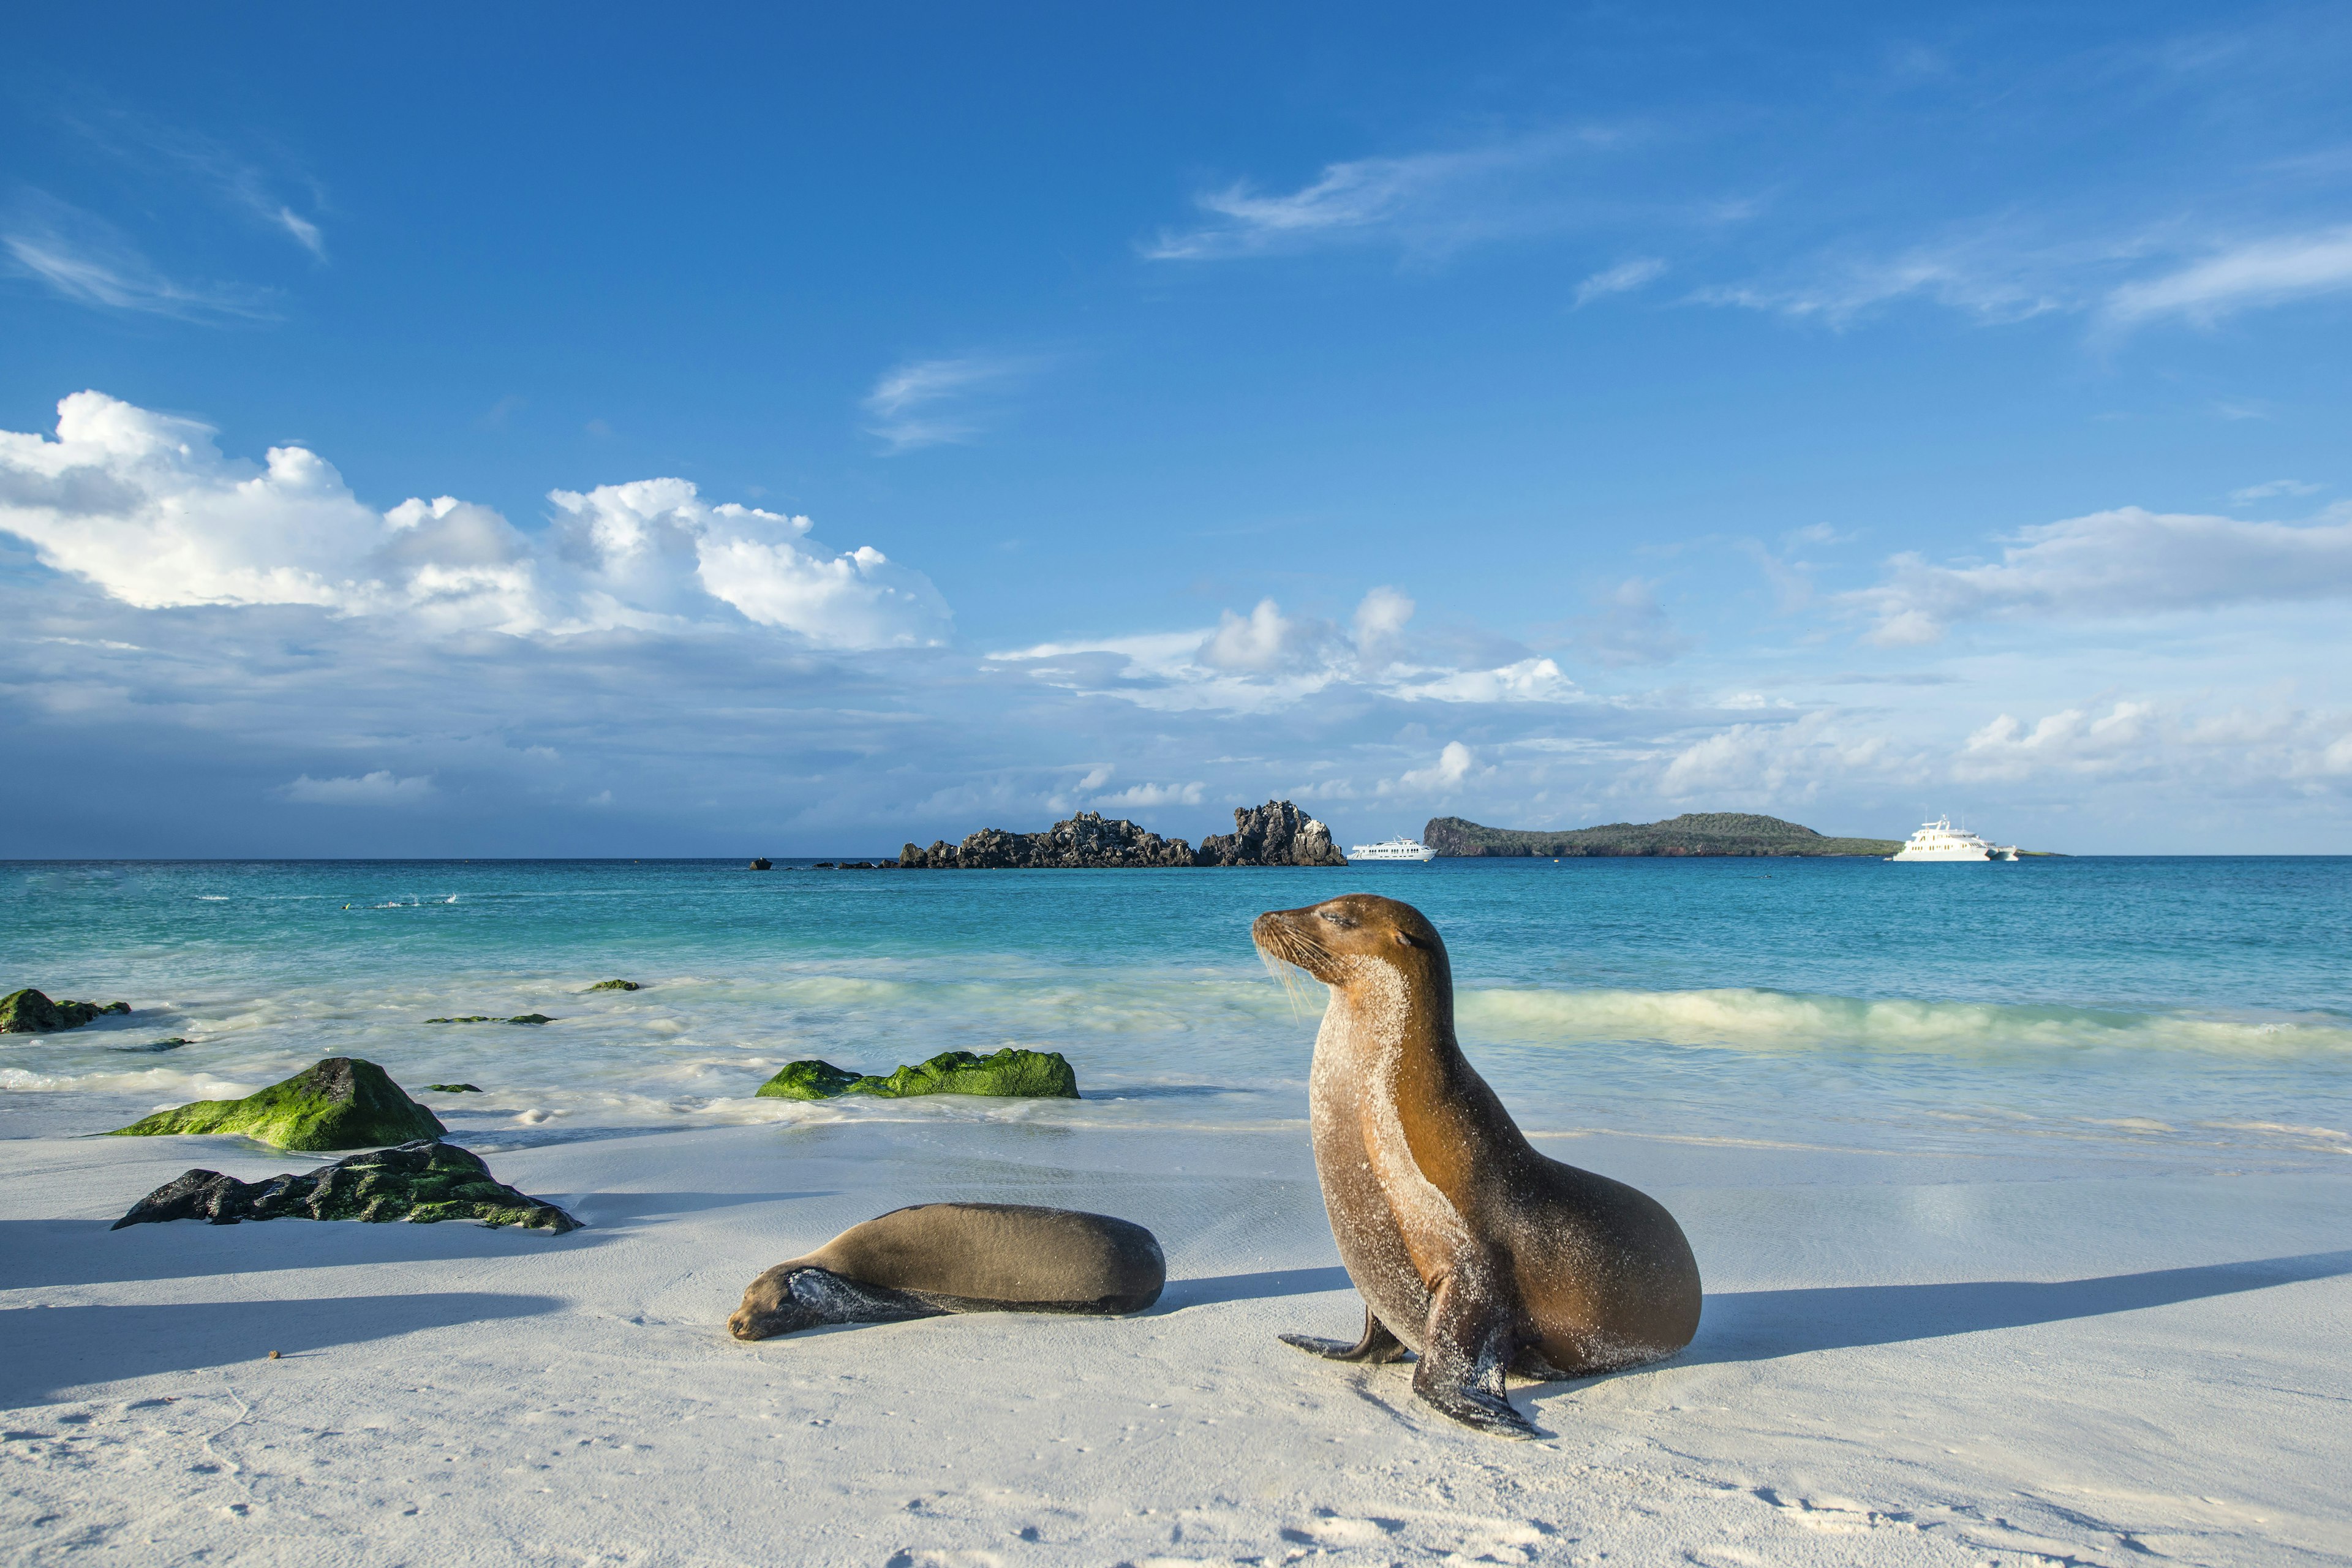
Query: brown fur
{"points": [[961, 1257], [1468, 1246]]}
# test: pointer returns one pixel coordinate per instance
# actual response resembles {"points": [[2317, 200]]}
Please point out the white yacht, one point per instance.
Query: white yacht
{"points": [[1940, 840], [1397, 848]]}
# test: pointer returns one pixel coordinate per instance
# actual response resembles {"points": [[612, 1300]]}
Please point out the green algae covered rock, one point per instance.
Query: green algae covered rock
{"points": [[340, 1103], [424, 1182], [617, 985], [29, 1012], [454, 1088], [1011, 1073]]}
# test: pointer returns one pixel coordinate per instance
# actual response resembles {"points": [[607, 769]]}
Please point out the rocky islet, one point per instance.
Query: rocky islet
{"points": [[1275, 834], [30, 1012], [1012, 1073]]}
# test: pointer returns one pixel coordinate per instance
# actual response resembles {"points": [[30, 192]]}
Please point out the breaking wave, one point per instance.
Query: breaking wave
{"points": [[1782, 1021]]}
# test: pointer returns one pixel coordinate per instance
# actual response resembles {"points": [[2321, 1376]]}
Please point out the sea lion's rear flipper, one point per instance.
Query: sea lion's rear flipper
{"points": [[1377, 1347], [1463, 1360]]}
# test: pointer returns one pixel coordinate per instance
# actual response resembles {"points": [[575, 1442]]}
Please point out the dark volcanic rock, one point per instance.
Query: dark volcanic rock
{"points": [[1086, 840], [29, 1012], [342, 1102], [1275, 834], [424, 1181]]}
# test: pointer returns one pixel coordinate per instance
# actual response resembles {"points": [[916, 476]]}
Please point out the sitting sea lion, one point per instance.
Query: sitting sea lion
{"points": [[935, 1258], [1468, 1246]]}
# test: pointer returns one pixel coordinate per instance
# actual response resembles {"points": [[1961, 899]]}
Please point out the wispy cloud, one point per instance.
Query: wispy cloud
{"points": [[938, 402], [2260, 272], [87, 261], [1427, 202], [2270, 488], [236, 182], [1621, 278], [2122, 562]]}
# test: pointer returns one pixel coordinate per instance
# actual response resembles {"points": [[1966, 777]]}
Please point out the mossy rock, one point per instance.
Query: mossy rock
{"points": [[1011, 1073], [424, 1182], [29, 1012], [340, 1103], [452, 1089], [617, 985]]}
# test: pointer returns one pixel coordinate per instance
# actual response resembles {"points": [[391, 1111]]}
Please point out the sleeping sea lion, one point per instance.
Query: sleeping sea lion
{"points": [[935, 1258], [1468, 1246]]}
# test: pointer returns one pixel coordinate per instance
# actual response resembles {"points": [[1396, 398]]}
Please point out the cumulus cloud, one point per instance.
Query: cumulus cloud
{"points": [[1267, 660], [379, 789], [2126, 562], [1453, 765], [145, 505], [2071, 739], [1141, 796], [1380, 623]]}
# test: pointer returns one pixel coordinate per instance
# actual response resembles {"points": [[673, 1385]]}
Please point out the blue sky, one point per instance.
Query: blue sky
{"points": [[563, 433]]}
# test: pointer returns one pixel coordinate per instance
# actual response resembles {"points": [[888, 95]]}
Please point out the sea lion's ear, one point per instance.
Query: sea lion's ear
{"points": [[1404, 938]]}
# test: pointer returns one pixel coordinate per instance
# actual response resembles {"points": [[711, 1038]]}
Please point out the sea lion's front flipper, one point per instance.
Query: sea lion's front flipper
{"points": [[1377, 1347], [1463, 1360]]}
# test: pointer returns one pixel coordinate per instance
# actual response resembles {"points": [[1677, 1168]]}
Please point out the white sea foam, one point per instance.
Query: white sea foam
{"points": [[1775, 1021]]}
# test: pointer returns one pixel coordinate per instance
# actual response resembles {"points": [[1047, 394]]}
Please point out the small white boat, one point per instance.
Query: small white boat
{"points": [[1940, 840], [1397, 848]]}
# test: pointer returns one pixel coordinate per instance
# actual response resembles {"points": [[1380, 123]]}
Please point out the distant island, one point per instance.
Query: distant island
{"points": [[1275, 834], [1693, 833]]}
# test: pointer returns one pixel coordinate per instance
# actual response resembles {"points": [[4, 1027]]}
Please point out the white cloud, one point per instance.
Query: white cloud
{"points": [[145, 505], [1621, 278], [1264, 641], [2006, 748], [2126, 562], [2260, 272], [1266, 661], [231, 180], [932, 402], [1426, 201], [1379, 623], [85, 260], [2268, 488], [1149, 794], [1764, 761], [379, 789], [1452, 767], [1528, 680]]}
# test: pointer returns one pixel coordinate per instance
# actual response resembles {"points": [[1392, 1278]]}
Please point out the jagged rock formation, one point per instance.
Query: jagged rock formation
{"points": [[1694, 833], [1011, 1073], [1275, 834], [29, 1012], [615, 986], [424, 1182], [342, 1102], [1084, 840], [517, 1019]]}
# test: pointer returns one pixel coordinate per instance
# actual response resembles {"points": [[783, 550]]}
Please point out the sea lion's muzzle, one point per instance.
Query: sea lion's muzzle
{"points": [[1286, 936]]}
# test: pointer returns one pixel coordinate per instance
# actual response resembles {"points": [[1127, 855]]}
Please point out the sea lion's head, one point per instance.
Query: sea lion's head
{"points": [[1331, 940], [769, 1307]]}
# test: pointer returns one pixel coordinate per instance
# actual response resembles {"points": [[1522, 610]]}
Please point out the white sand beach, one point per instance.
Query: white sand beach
{"points": [[1905, 1359]]}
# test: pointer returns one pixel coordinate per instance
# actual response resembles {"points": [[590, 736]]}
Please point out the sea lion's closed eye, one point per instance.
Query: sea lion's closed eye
{"points": [[1339, 918]]}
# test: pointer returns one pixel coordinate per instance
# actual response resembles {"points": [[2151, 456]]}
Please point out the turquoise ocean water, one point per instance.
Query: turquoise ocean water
{"points": [[2190, 1013]]}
